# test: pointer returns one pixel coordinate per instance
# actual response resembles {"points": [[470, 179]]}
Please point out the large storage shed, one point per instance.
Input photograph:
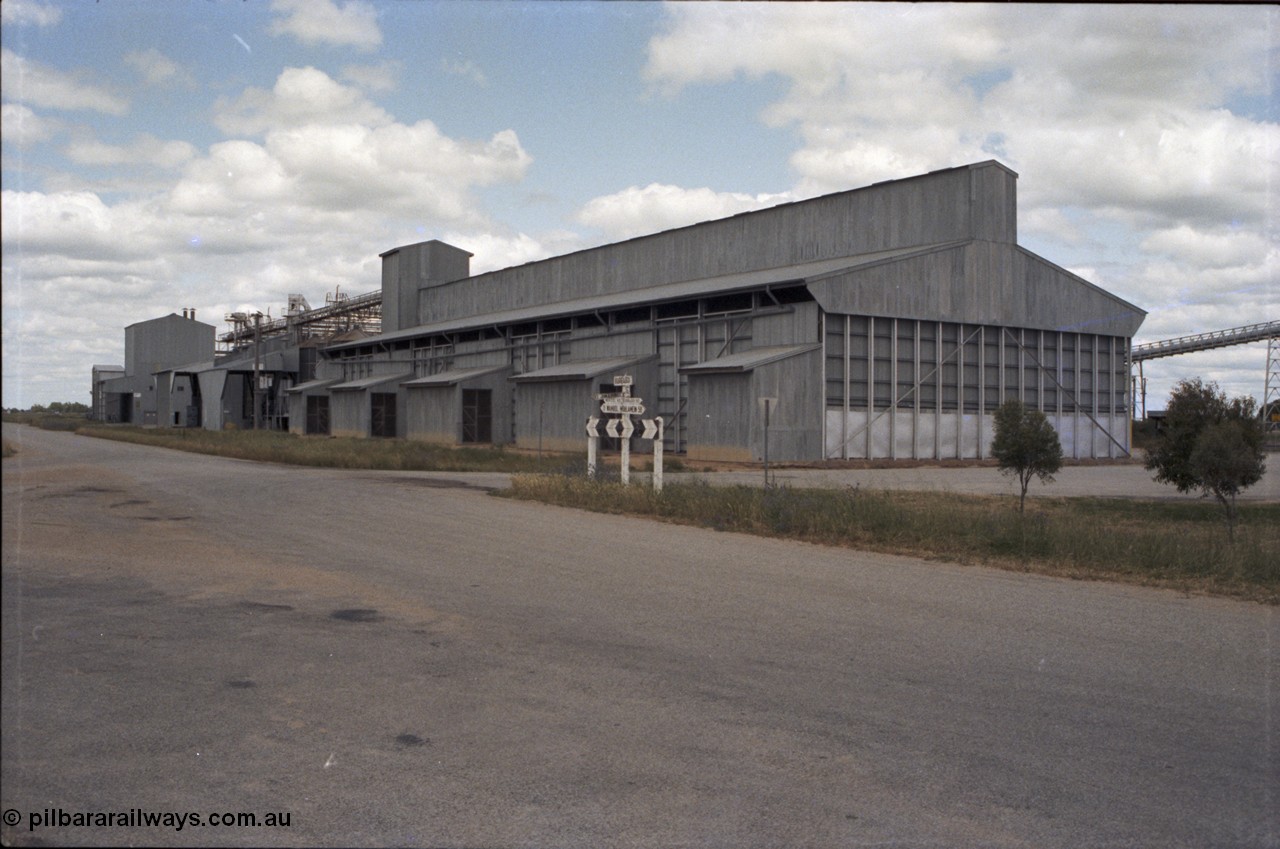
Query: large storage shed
{"points": [[883, 322]]}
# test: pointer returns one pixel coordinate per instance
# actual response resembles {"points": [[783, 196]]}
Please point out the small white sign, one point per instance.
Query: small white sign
{"points": [[650, 429], [591, 426], [622, 380], [620, 406]]}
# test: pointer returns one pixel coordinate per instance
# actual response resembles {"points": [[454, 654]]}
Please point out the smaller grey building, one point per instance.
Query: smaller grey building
{"points": [[457, 407], [99, 408], [151, 347], [369, 406], [553, 404], [735, 390]]}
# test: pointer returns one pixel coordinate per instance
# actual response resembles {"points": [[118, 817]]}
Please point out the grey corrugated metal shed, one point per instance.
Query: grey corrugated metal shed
{"points": [[748, 360]]}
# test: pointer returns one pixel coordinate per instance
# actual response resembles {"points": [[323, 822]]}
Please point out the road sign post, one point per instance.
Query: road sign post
{"points": [[653, 430], [768, 404], [626, 449], [624, 406], [593, 446]]}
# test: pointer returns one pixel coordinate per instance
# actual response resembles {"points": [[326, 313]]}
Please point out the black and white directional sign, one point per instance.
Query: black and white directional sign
{"points": [[592, 424], [620, 428]]}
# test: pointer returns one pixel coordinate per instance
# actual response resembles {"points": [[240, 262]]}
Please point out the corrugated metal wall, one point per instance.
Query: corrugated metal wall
{"points": [[910, 389]]}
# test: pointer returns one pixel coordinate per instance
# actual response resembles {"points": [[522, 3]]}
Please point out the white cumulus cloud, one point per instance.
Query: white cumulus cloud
{"points": [[300, 97], [145, 149], [636, 211], [351, 24], [25, 81], [155, 68], [24, 12], [23, 127]]}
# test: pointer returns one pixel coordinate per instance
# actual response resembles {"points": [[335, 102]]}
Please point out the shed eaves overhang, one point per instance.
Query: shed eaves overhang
{"points": [[190, 368], [313, 385], [451, 378], [584, 370], [746, 361], [369, 382], [726, 284], [273, 361]]}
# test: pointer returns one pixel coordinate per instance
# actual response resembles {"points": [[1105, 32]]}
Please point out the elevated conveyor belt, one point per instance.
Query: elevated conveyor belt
{"points": [[1205, 341]]}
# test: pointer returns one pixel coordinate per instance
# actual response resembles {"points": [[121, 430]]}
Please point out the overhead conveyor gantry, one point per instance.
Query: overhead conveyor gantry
{"points": [[1267, 330]]}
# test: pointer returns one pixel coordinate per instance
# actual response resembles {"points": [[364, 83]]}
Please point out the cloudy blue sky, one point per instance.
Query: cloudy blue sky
{"points": [[221, 154]]}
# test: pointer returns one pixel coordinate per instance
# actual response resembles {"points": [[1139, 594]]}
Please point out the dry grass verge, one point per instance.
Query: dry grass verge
{"points": [[338, 452], [1180, 545]]}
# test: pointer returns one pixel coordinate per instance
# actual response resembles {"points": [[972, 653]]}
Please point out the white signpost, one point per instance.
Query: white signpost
{"points": [[624, 406], [593, 445]]}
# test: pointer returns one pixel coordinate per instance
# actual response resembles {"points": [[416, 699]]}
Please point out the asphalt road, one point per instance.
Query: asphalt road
{"points": [[404, 659]]}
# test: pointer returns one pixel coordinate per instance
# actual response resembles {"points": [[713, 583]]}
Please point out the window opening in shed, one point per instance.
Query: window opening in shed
{"points": [[477, 416], [632, 315], [318, 414], [738, 302], [788, 295], [382, 414]]}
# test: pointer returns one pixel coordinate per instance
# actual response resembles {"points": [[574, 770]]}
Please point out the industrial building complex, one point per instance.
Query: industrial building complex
{"points": [[883, 322]]}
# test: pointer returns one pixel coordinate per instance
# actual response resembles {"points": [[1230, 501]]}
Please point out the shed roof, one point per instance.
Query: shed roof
{"points": [[369, 382], [191, 368], [746, 280], [745, 361], [273, 361], [312, 385], [450, 378], [583, 370]]}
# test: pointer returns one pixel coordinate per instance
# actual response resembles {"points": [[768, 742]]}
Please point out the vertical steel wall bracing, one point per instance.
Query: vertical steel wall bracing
{"points": [[914, 389]]}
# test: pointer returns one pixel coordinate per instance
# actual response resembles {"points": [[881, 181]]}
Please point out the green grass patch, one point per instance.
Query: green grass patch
{"points": [[339, 452], [1181, 545]]}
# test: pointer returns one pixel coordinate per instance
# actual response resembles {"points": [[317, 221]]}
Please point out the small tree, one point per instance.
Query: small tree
{"points": [[1210, 444], [1026, 446]]}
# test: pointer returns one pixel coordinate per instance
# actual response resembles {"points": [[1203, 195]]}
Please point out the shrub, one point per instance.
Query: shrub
{"points": [[1025, 446], [1211, 443]]}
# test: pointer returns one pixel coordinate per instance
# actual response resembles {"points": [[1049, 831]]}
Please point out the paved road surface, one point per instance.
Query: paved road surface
{"points": [[397, 659]]}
